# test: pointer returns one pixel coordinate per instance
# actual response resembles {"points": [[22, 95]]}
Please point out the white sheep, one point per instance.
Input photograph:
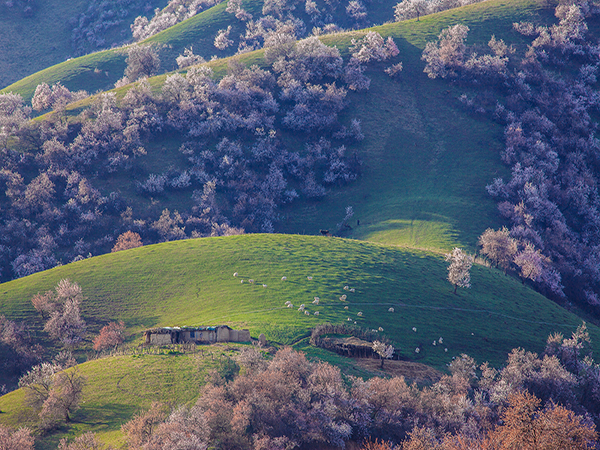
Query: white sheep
{"points": [[287, 303], [380, 329], [235, 274], [290, 306], [309, 278], [343, 297], [283, 278], [417, 350], [441, 340], [242, 281], [317, 298], [264, 285], [316, 301], [352, 290], [359, 314], [345, 307], [250, 281], [415, 329], [391, 310], [346, 288], [434, 343], [349, 319], [316, 313], [307, 313]]}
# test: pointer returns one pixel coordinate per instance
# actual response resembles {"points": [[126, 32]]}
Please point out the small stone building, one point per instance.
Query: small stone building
{"points": [[196, 335]]}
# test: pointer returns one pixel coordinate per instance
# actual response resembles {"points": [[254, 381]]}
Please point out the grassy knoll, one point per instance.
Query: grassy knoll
{"points": [[191, 283], [117, 387]]}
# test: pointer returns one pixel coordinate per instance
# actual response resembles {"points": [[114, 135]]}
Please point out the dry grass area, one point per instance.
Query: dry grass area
{"points": [[411, 371]]}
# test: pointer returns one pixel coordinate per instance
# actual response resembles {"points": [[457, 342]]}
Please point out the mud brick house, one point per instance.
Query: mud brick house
{"points": [[197, 335]]}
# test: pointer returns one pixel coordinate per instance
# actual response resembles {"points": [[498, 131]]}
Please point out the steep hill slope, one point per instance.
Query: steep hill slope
{"points": [[426, 159], [45, 31]]}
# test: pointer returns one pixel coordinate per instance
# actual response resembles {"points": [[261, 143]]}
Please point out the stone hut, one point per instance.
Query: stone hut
{"points": [[195, 335]]}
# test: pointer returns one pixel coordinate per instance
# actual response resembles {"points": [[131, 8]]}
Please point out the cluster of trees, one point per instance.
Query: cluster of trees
{"points": [[94, 29], [280, 21], [549, 105], [52, 391], [238, 172], [509, 253], [534, 402], [411, 9], [26, 7], [61, 309], [18, 352], [176, 11]]}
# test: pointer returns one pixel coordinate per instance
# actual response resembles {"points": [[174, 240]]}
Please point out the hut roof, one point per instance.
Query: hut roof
{"points": [[165, 330]]}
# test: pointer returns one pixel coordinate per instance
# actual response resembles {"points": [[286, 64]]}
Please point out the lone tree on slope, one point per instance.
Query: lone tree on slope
{"points": [[459, 269]]}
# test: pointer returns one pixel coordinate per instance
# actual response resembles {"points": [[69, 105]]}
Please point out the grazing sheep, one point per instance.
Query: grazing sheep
{"points": [[415, 329], [343, 297], [290, 306], [316, 301], [287, 303], [434, 343], [316, 313], [359, 314], [283, 278], [345, 307], [264, 285], [309, 278], [317, 298], [417, 350], [349, 319], [235, 274], [391, 310], [352, 290], [380, 329], [242, 281], [440, 340], [346, 288], [307, 313], [250, 281]]}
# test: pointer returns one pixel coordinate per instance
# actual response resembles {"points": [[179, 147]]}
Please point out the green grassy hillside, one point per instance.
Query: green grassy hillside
{"points": [[191, 283], [44, 34], [426, 159], [118, 387]]}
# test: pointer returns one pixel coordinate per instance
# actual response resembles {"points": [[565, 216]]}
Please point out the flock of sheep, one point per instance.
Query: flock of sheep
{"points": [[343, 298]]}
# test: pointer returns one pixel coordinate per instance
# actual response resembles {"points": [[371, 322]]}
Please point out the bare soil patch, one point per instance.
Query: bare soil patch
{"points": [[411, 371]]}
